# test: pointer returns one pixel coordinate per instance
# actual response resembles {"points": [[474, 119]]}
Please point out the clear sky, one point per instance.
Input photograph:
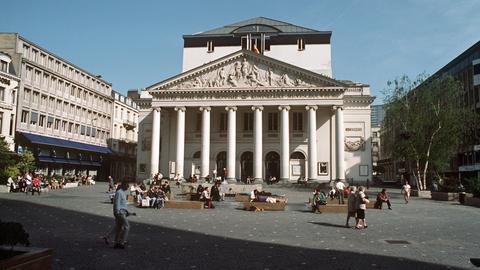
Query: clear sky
{"points": [[134, 44]]}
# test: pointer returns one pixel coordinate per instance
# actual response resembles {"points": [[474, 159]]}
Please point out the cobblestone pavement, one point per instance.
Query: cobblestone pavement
{"points": [[440, 235]]}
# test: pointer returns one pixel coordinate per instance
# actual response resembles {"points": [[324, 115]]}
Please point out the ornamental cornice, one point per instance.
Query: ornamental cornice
{"points": [[359, 99]]}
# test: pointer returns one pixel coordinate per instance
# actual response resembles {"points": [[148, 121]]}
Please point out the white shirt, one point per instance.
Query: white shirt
{"points": [[205, 194], [340, 185]]}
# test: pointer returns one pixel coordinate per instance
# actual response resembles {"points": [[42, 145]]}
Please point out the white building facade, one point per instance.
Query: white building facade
{"points": [[258, 111], [9, 83]]}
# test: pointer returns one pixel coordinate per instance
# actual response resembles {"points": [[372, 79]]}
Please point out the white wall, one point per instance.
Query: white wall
{"points": [[194, 57]]}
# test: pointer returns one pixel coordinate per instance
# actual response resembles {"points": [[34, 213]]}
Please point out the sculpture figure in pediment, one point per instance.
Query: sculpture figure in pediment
{"points": [[232, 80], [197, 82], [285, 80], [238, 70], [222, 77], [245, 68]]}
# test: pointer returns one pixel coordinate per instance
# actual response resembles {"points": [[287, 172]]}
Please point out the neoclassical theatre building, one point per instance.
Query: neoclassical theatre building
{"points": [[256, 99]]}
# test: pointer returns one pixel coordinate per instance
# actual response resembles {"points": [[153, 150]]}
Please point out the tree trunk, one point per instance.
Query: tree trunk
{"points": [[418, 176], [430, 142]]}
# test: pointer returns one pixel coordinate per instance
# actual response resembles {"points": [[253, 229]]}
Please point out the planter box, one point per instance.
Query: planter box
{"points": [[28, 259], [426, 194], [445, 196], [471, 201], [4, 189]]}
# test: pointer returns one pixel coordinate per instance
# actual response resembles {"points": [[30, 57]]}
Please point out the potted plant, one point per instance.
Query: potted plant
{"points": [[14, 257]]}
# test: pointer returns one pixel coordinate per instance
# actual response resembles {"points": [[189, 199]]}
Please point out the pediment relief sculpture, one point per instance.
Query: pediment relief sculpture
{"points": [[244, 73], [353, 144]]}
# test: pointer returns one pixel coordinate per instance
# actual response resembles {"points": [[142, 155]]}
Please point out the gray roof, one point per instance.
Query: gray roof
{"points": [[283, 27]]}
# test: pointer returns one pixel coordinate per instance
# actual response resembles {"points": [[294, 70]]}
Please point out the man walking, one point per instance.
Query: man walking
{"points": [[120, 212], [340, 189]]}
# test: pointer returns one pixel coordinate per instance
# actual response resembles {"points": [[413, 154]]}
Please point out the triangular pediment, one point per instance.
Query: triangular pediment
{"points": [[242, 70]]}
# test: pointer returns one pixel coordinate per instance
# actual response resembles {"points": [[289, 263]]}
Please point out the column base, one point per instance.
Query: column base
{"points": [[258, 180], [231, 180], [284, 180], [313, 180]]}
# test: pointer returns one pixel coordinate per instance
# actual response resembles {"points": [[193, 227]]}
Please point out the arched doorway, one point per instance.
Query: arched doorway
{"points": [[246, 164], [221, 163], [272, 165], [297, 163], [196, 163]]}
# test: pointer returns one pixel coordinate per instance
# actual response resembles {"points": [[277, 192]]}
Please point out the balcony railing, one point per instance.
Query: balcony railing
{"points": [[129, 125]]}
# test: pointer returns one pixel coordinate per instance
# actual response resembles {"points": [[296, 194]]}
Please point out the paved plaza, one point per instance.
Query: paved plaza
{"points": [[439, 235]]}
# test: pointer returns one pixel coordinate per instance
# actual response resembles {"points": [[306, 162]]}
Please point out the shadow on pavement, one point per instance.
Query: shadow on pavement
{"points": [[75, 238], [329, 224]]}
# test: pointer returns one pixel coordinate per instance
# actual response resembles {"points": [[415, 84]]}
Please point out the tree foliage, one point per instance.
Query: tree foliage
{"points": [[7, 160], [425, 123], [27, 163]]}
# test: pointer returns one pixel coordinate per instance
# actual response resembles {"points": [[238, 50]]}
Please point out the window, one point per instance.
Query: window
{"points": [[476, 69], [13, 97], [94, 132], [26, 94], [35, 97], [1, 121], [89, 129], [57, 124], [223, 122], [24, 118], [33, 55], [2, 93], [301, 44], [33, 118], [64, 126], [77, 127], [248, 121], [375, 135], [41, 121], [49, 122], [70, 127], [82, 130], [210, 46], [12, 119], [273, 121], [44, 100], [297, 121], [3, 66]]}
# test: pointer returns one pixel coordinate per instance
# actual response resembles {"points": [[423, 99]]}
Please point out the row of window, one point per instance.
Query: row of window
{"points": [[248, 121], [258, 44], [48, 81], [120, 114], [62, 68], [33, 97], [42, 120], [4, 66]]}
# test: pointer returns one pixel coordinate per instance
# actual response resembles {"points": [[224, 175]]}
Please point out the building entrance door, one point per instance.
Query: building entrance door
{"points": [[272, 165], [246, 163], [221, 163]]}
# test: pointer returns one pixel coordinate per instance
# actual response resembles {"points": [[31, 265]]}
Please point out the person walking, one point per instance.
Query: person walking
{"points": [[120, 212], [361, 202], [111, 184], [352, 197], [406, 191], [340, 186]]}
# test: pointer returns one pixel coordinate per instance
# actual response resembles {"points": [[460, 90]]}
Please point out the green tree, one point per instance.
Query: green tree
{"points": [[27, 162], [7, 160], [425, 123]]}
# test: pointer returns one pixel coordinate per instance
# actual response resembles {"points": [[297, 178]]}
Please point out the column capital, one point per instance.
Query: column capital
{"points": [[230, 108], [309, 107], [158, 109], [281, 108], [205, 108], [254, 108], [336, 107], [181, 108]]}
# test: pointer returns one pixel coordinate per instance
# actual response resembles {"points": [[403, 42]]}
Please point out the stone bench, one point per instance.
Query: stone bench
{"points": [[184, 204], [70, 185], [242, 197], [279, 206]]}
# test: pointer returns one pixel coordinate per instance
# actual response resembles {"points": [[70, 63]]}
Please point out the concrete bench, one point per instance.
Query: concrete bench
{"points": [[184, 204], [279, 206], [242, 197], [70, 185]]}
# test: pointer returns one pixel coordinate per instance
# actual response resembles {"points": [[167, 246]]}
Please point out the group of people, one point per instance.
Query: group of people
{"points": [[216, 193]]}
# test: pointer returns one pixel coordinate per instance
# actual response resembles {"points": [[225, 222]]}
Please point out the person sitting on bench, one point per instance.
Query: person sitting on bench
{"points": [[205, 197], [381, 198]]}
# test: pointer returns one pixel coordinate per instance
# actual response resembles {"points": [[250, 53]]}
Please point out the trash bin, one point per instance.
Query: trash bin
{"points": [[461, 197]]}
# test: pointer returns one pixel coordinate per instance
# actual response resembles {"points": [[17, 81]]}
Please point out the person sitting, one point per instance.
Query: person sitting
{"points": [[332, 193], [254, 196], [152, 196], [205, 197], [160, 202], [382, 197], [215, 192]]}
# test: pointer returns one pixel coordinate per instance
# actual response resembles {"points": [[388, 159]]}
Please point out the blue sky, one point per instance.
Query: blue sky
{"points": [[134, 44]]}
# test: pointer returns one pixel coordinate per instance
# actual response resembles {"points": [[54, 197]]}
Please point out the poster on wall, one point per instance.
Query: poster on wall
{"points": [[363, 170], [323, 168]]}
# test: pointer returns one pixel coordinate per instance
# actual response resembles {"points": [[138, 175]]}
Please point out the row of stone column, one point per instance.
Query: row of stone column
{"points": [[258, 143]]}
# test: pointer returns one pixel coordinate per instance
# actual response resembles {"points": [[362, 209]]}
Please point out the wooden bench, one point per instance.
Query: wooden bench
{"points": [[279, 206], [184, 204]]}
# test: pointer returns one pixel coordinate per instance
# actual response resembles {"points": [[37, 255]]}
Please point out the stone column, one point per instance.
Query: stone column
{"points": [[155, 147], [312, 142], [339, 143], [284, 144], [205, 142], [180, 140], [232, 133], [257, 156]]}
